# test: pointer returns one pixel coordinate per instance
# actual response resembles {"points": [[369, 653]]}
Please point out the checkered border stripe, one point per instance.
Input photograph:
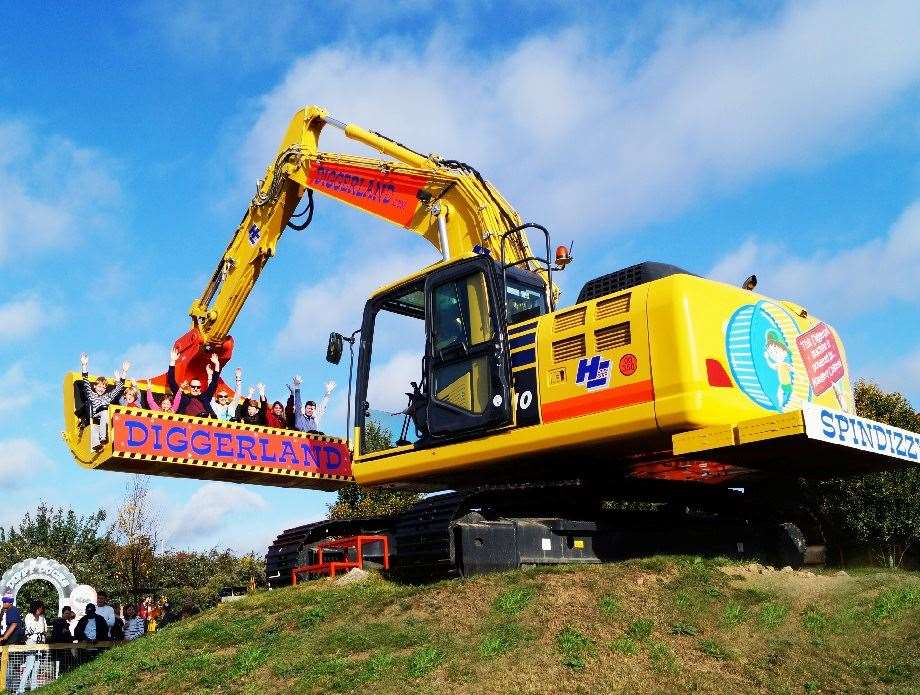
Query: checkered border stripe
{"points": [[175, 417]]}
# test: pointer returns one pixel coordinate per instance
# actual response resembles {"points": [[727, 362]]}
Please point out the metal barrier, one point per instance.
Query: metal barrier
{"points": [[355, 543], [30, 666]]}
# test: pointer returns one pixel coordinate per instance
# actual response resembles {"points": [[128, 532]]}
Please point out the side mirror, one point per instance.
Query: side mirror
{"points": [[334, 348]]}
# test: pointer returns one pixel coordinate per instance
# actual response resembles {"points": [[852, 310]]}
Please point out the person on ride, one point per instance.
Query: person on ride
{"points": [[274, 416], [197, 401], [250, 410], [225, 407], [130, 398], [165, 402], [99, 399], [306, 418]]}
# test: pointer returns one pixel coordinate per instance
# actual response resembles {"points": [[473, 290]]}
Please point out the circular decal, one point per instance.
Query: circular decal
{"points": [[628, 364], [764, 359], [497, 400]]}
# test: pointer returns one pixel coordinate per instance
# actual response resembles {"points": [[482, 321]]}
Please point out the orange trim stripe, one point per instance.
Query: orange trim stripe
{"points": [[607, 399]]}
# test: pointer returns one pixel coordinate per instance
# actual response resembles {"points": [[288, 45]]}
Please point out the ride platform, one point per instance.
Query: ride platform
{"points": [[150, 442]]}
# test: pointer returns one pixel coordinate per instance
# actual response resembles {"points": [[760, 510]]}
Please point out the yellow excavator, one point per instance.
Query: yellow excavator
{"points": [[658, 390]]}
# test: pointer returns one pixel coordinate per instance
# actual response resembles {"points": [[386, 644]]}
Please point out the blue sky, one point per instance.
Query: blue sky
{"points": [[781, 140]]}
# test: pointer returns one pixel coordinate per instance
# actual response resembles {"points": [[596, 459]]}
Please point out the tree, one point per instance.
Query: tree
{"points": [[78, 542], [356, 502], [196, 578], [136, 536], [880, 510]]}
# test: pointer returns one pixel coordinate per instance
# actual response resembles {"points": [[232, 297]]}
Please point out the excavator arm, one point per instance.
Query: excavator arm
{"points": [[445, 201]]}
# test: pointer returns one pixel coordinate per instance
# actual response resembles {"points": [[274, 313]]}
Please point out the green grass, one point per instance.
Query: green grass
{"points": [[715, 649], [515, 600], [610, 628], [574, 647], [640, 629]]}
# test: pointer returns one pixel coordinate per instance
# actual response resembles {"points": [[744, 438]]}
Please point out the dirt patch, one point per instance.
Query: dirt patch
{"points": [[803, 584]]}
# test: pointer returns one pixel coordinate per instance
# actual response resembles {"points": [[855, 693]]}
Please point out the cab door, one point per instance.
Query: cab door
{"points": [[466, 365]]}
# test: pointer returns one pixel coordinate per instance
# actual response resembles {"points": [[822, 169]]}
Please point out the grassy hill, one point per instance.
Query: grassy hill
{"points": [[661, 624]]}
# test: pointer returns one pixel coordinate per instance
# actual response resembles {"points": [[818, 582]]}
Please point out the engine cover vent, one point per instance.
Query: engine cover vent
{"points": [[618, 335], [626, 278], [569, 348]]}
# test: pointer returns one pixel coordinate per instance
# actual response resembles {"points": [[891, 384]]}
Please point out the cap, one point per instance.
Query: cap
{"points": [[7, 599]]}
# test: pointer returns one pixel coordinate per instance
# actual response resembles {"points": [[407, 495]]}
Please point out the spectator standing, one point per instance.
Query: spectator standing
{"points": [[196, 402], [36, 630], [105, 610], [12, 630], [91, 627], [117, 631], [225, 408], [60, 627], [99, 399], [134, 624]]}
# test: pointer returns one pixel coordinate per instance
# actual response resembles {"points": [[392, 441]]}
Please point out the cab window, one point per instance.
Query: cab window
{"points": [[524, 301], [462, 321], [461, 313]]}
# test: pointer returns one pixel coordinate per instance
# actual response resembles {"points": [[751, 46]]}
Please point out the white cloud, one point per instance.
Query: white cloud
{"points": [[147, 360], [20, 461], [901, 374], [17, 391], [327, 305], [846, 282], [389, 382], [51, 191], [209, 508], [626, 135], [23, 317]]}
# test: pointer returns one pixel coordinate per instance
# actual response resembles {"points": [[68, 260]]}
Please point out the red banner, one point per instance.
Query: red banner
{"points": [[392, 195], [821, 356], [165, 436]]}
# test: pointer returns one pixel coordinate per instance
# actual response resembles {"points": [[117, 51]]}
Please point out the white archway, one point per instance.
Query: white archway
{"points": [[44, 568]]}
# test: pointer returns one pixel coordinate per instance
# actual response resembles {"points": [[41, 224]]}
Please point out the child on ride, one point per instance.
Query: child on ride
{"points": [[166, 402], [99, 399]]}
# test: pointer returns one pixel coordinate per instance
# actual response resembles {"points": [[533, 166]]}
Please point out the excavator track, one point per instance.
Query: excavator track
{"points": [[421, 537]]}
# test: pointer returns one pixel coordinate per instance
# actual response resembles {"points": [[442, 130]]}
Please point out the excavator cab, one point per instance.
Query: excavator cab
{"points": [[464, 385]]}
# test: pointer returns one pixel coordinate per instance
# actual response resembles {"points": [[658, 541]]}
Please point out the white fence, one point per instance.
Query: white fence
{"points": [[26, 667]]}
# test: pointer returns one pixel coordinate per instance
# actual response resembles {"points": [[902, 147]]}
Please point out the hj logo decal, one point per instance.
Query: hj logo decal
{"points": [[593, 372], [254, 234]]}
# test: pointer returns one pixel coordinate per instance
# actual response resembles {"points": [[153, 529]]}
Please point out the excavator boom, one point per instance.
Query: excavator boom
{"points": [[446, 202]]}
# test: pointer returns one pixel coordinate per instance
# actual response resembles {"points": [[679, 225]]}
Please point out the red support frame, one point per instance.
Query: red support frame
{"points": [[333, 566]]}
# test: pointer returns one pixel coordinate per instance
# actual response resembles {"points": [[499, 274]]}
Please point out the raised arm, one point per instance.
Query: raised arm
{"points": [[151, 404], [171, 372], [238, 392], [324, 401], [84, 371], [299, 421], [213, 378]]}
